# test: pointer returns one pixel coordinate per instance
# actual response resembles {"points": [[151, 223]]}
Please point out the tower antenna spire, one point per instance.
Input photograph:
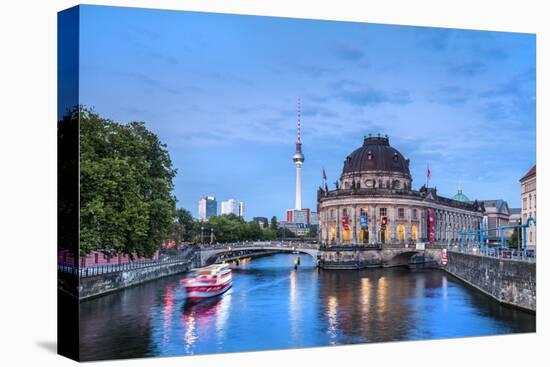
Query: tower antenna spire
{"points": [[298, 159], [299, 127]]}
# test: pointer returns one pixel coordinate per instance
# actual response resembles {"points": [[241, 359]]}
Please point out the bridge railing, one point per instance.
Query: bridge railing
{"points": [[259, 244], [498, 252]]}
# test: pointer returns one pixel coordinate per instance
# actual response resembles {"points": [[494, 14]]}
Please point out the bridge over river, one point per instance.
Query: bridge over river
{"points": [[333, 257]]}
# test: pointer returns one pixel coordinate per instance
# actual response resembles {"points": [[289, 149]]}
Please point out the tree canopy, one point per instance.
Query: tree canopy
{"points": [[231, 228], [126, 201]]}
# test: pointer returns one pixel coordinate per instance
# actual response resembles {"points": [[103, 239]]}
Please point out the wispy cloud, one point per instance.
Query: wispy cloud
{"points": [[471, 68], [452, 95], [347, 52], [366, 95]]}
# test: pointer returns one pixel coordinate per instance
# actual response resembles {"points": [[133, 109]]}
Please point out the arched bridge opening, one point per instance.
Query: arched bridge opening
{"points": [[411, 258], [231, 254]]}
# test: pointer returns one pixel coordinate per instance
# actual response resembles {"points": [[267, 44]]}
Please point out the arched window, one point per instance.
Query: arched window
{"points": [[414, 234], [401, 232]]}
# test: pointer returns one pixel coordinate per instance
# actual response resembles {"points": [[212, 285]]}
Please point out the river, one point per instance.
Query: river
{"points": [[272, 306]]}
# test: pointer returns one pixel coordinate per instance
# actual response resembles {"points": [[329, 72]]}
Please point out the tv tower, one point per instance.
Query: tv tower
{"points": [[298, 159]]}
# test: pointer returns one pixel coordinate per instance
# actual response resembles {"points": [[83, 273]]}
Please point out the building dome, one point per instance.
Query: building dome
{"points": [[460, 196], [376, 155]]}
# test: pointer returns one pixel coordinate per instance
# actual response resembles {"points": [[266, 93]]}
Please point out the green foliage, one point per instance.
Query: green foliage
{"points": [[184, 227], [126, 201], [231, 228], [514, 239], [273, 225], [285, 233], [312, 232]]}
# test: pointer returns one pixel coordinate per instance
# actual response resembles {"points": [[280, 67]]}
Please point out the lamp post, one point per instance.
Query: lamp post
{"points": [[202, 235]]}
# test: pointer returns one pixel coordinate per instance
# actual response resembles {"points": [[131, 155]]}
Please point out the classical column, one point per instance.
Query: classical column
{"points": [[355, 226], [409, 229], [391, 227], [338, 225], [373, 231]]}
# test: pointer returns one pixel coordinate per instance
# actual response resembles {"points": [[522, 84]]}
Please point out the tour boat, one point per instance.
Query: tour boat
{"points": [[208, 282]]}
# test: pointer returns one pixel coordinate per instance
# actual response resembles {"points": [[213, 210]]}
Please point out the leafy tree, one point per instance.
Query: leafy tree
{"points": [[126, 201], [185, 224], [312, 232], [514, 239], [273, 225], [285, 233]]}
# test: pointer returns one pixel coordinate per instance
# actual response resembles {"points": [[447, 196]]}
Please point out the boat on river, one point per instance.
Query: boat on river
{"points": [[210, 281]]}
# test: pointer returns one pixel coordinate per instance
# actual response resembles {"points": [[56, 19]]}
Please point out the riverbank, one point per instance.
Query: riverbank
{"points": [[510, 282], [94, 286]]}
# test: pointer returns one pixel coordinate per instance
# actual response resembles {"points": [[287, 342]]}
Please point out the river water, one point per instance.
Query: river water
{"points": [[272, 306]]}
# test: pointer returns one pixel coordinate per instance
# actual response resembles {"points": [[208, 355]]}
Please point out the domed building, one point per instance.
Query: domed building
{"points": [[459, 196], [375, 206]]}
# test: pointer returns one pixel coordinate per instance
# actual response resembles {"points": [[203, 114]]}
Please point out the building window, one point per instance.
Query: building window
{"points": [[383, 212], [401, 212], [415, 214], [531, 236], [401, 232], [345, 212], [529, 201], [331, 213], [524, 203]]}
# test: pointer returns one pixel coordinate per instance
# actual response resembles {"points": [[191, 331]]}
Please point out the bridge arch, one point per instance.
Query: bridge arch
{"points": [[404, 258], [209, 255]]}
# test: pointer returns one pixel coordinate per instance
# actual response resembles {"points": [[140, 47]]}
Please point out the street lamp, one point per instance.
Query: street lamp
{"points": [[202, 234]]}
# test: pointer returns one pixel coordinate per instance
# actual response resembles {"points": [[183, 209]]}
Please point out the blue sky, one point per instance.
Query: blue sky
{"points": [[221, 91]]}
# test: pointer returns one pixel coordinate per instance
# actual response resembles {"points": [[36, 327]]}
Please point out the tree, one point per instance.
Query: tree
{"points": [[184, 227], [514, 239], [126, 201], [312, 231], [273, 225]]}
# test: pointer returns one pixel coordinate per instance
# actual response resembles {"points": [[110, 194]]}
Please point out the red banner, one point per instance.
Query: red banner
{"points": [[431, 225], [345, 222]]}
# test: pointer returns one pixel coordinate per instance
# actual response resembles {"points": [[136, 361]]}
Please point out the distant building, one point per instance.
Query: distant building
{"points": [[299, 229], [242, 210], [298, 216], [230, 206], [515, 219], [460, 196], [208, 207], [497, 214], [314, 218], [529, 203], [262, 221]]}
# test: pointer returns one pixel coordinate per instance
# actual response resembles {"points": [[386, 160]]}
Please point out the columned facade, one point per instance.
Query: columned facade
{"points": [[374, 204]]}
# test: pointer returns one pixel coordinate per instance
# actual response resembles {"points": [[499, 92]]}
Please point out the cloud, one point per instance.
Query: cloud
{"points": [[365, 95], [468, 69], [434, 39], [451, 95], [347, 52]]}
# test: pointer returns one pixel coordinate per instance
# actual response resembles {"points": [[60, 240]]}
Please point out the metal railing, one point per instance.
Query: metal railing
{"points": [[184, 258], [259, 244], [498, 252]]}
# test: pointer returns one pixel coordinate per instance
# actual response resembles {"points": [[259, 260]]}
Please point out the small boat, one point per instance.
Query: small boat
{"points": [[208, 282]]}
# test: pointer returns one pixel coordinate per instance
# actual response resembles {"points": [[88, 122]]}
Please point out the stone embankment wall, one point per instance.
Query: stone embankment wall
{"points": [[509, 281], [105, 283]]}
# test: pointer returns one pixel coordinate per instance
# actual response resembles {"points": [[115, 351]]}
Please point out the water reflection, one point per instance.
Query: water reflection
{"points": [[272, 306]]}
